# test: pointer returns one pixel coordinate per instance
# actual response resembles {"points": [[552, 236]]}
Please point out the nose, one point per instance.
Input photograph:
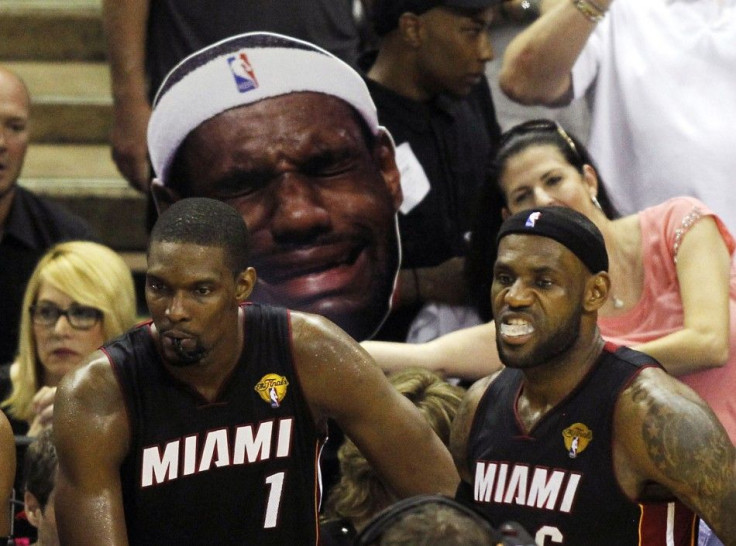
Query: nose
{"points": [[543, 198], [62, 326], [176, 310], [518, 294], [299, 211], [485, 48]]}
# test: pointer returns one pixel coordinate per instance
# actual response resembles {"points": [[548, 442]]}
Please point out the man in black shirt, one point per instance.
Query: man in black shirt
{"points": [[28, 224], [204, 425], [580, 441], [428, 82]]}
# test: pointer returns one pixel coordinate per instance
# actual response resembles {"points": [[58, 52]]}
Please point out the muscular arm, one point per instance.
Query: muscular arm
{"points": [[469, 353], [664, 433], [91, 435], [341, 381], [703, 272], [7, 472], [125, 25], [460, 431], [537, 64]]}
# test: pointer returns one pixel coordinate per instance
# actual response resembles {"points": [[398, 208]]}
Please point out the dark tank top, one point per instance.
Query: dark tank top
{"points": [[242, 469], [557, 480]]}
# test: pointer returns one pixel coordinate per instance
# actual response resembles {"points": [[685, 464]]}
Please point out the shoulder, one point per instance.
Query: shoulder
{"points": [[655, 404], [92, 387], [309, 329], [56, 218]]}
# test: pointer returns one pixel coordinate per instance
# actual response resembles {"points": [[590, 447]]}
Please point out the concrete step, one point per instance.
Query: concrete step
{"points": [[84, 179], [71, 100], [51, 30]]}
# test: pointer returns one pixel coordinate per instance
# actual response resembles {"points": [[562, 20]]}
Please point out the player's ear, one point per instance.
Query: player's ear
{"points": [[385, 156], [245, 283], [598, 289], [410, 28], [32, 508]]}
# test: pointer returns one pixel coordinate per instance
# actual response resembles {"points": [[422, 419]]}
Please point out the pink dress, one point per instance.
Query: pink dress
{"points": [[659, 311]]}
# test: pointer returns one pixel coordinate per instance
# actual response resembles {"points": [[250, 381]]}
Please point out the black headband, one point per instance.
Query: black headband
{"points": [[566, 226]]}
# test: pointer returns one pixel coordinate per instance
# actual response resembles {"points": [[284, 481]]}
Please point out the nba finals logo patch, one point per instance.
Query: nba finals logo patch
{"points": [[531, 221], [272, 389], [576, 438], [243, 73]]}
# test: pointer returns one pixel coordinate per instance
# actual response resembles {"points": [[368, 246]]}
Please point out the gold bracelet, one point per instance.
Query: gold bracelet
{"points": [[591, 13]]}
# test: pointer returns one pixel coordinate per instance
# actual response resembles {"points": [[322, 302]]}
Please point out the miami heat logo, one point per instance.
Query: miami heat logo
{"points": [[576, 438], [272, 389]]}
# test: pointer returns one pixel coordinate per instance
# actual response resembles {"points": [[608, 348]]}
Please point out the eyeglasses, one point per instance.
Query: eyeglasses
{"points": [[539, 125], [80, 317]]}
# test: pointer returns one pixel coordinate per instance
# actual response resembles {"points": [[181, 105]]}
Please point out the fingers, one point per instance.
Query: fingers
{"points": [[43, 398]]}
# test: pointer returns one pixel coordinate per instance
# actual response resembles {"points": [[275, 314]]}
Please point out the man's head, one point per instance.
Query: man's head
{"points": [[287, 134], [197, 276], [428, 519], [549, 280], [15, 104], [40, 466], [444, 43]]}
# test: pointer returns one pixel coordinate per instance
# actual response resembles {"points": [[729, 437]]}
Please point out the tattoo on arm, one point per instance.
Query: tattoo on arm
{"points": [[688, 446]]}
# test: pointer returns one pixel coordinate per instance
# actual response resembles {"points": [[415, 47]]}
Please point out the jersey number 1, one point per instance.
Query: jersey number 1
{"points": [[276, 481]]}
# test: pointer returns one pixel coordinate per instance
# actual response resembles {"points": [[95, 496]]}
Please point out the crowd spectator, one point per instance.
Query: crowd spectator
{"points": [[79, 296], [29, 224], [659, 79], [427, 79], [40, 466]]}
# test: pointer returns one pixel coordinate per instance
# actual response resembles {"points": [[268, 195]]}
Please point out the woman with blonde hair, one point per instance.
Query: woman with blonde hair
{"points": [[80, 295]]}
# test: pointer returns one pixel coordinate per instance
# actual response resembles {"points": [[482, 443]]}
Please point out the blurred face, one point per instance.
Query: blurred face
{"points": [[454, 50], [14, 110], [61, 347], [193, 299], [320, 206], [540, 175], [537, 296]]}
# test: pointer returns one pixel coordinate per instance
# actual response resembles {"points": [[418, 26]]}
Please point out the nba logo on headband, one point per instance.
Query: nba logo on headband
{"points": [[243, 73]]}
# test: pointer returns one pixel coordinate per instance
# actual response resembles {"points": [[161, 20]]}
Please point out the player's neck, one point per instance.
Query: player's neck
{"points": [[547, 385]]}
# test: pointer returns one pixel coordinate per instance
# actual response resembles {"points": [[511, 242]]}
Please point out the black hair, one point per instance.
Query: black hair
{"points": [[206, 222], [39, 467]]}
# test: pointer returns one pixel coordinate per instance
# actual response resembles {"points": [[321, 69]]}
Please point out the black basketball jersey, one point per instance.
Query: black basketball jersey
{"points": [[242, 469], [557, 480]]}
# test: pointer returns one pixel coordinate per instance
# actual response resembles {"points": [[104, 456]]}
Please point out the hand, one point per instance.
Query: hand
{"points": [[129, 143], [444, 283], [43, 409]]}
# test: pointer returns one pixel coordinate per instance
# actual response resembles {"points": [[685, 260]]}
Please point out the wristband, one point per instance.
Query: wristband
{"points": [[591, 12]]}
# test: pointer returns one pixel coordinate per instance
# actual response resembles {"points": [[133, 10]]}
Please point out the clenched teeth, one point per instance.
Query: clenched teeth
{"points": [[516, 327]]}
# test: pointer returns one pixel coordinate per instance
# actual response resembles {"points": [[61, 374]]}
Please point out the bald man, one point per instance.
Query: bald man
{"points": [[28, 224]]}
